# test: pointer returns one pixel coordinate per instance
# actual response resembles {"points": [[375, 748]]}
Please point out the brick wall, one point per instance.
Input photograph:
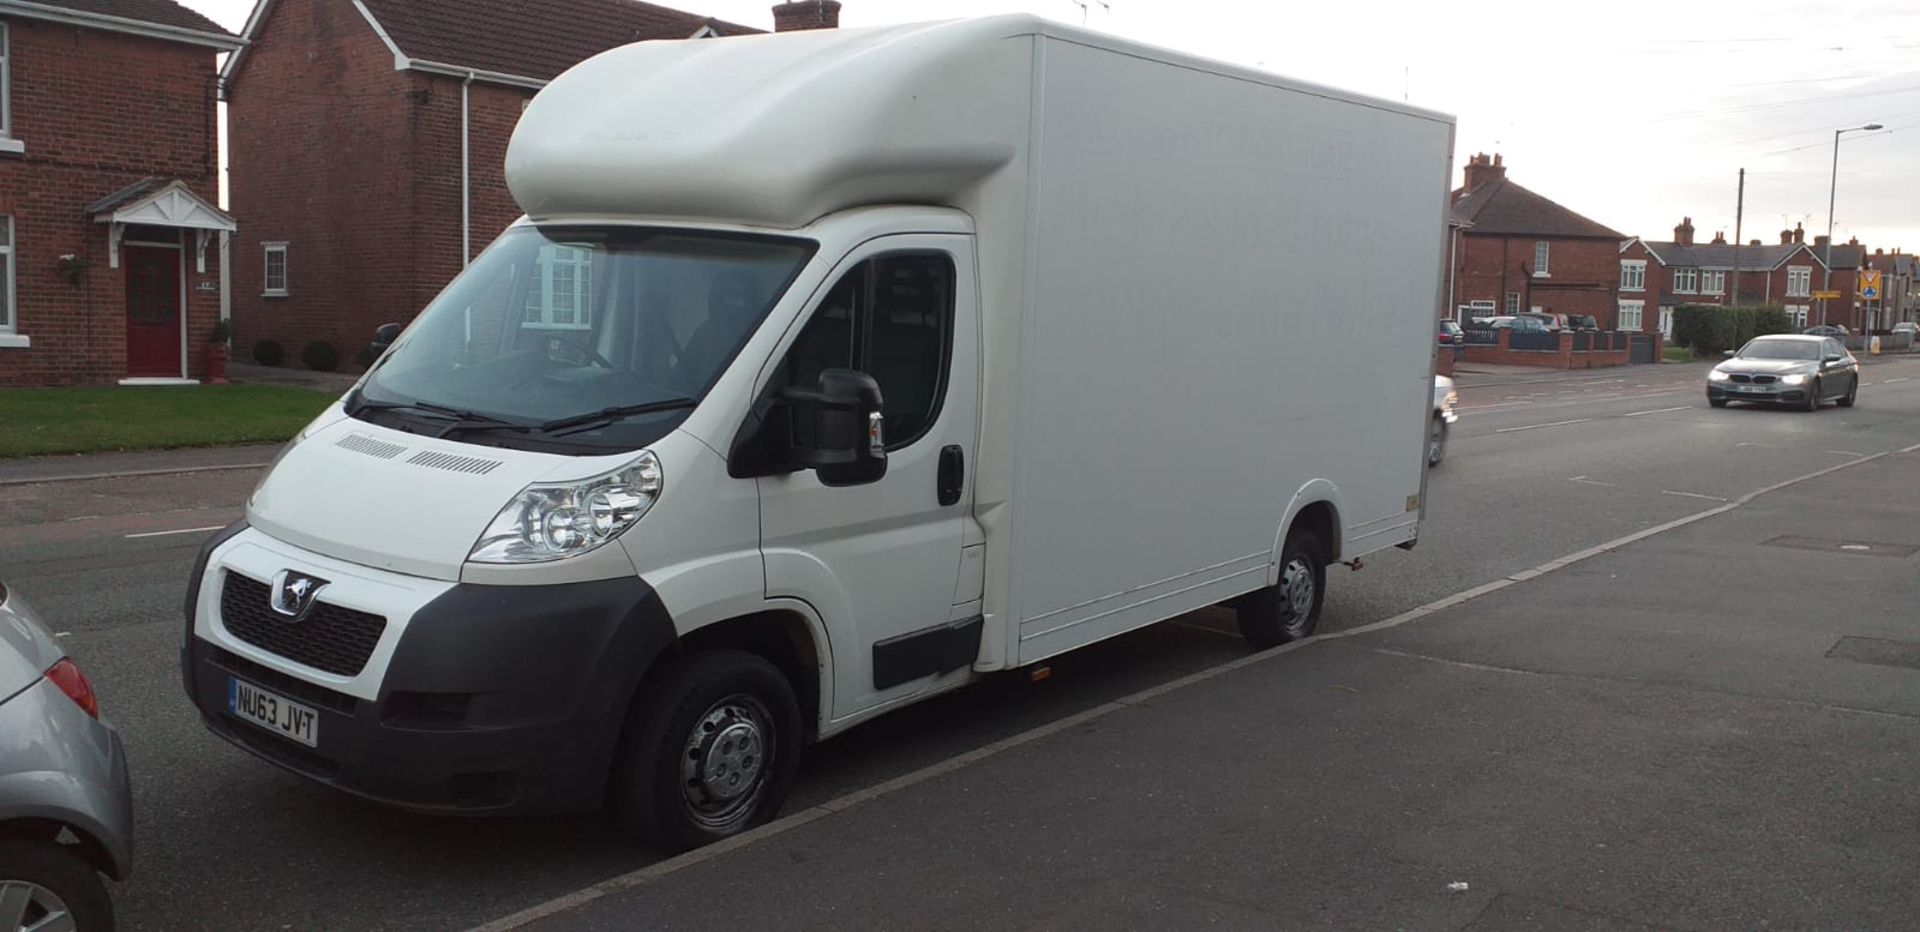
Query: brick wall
{"points": [[97, 111], [356, 167], [1564, 356], [1583, 274], [321, 158]]}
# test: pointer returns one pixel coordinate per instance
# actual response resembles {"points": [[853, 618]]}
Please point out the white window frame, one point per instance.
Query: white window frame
{"points": [[1542, 258], [580, 314], [1686, 280], [10, 337], [1666, 320], [1802, 276], [1632, 315], [6, 81], [1799, 314], [1633, 275], [1513, 303], [267, 251], [1713, 281]]}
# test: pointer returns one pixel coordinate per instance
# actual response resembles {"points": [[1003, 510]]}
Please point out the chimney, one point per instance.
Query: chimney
{"points": [[1799, 235], [1819, 242], [1853, 240], [1757, 242], [1482, 171], [1720, 238], [1683, 234], [806, 14], [1786, 237]]}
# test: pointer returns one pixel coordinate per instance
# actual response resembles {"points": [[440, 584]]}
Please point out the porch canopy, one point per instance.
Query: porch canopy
{"points": [[160, 203]]}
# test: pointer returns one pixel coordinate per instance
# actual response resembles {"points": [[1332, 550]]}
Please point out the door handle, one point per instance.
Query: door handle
{"points": [[953, 473]]}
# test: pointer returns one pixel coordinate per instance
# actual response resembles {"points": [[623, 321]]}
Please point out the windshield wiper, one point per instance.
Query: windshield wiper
{"points": [[604, 416], [457, 418]]}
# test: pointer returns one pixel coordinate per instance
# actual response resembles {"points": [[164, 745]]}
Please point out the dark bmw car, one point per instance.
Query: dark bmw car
{"points": [[1792, 369]]}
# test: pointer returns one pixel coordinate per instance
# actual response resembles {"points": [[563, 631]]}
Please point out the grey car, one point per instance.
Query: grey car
{"points": [[66, 816], [1796, 369]]}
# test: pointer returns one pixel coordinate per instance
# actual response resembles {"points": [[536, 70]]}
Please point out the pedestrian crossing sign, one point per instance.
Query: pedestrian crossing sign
{"points": [[1869, 283]]}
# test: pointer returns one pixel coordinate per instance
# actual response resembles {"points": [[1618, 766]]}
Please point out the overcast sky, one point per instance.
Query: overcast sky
{"points": [[1633, 112]]}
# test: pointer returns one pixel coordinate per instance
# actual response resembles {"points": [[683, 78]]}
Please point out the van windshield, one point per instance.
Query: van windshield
{"points": [[590, 337]]}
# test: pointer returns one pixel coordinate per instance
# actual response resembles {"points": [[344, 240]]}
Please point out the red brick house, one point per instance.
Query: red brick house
{"points": [[1658, 276], [367, 139], [1514, 251], [110, 240]]}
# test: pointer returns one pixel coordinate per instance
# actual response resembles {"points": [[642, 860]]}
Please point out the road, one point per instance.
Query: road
{"points": [[1539, 467]]}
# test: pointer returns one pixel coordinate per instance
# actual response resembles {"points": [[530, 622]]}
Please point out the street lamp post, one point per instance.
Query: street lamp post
{"points": [[1833, 187]]}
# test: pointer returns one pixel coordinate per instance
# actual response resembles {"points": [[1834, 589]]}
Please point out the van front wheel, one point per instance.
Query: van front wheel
{"points": [[712, 750], [1290, 610]]}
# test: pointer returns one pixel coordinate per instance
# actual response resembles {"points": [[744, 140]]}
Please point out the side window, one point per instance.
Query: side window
{"points": [[1834, 348], [892, 318]]}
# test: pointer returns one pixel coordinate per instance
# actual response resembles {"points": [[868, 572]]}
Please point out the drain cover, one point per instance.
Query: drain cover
{"points": [[1870, 548]]}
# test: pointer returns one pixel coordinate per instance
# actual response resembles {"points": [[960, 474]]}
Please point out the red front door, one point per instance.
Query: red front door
{"points": [[153, 311]]}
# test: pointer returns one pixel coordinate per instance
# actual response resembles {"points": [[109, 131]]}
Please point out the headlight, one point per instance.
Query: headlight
{"points": [[1717, 376], [552, 522], [1795, 379]]}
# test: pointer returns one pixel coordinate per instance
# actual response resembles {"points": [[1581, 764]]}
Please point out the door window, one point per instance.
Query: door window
{"points": [[892, 318]]}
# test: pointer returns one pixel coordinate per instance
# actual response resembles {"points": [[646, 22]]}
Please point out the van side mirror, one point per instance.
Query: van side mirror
{"points": [[1728, 353], [383, 337], [838, 431]]}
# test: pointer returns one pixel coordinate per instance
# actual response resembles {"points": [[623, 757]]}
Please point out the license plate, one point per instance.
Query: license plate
{"points": [[275, 713], [1748, 389]]}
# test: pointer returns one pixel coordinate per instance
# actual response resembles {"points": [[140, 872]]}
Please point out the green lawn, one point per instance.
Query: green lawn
{"points": [[35, 421], [1678, 354]]}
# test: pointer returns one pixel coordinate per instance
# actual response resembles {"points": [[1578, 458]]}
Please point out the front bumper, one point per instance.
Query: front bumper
{"points": [[494, 699], [58, 764], [1775, 392]]}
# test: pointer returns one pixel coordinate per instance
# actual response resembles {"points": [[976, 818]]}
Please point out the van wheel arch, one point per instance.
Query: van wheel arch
{"points": [[783, 636]]}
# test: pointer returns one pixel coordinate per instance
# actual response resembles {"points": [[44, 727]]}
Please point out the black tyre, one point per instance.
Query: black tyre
{"points": [[1853, 391], [1717, 402], [1288, 611], [1436, 442], [710, 751], [40, 882], [1813, 396]]}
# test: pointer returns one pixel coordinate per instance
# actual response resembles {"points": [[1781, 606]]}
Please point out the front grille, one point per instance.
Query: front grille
{"points": [[1763, 380], [331, 638], [283, 684], [1742, 379]]}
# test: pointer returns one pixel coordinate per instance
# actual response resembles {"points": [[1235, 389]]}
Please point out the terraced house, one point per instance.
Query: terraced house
{"points": [[1657, 276], [111, 246], [1514, 250]]}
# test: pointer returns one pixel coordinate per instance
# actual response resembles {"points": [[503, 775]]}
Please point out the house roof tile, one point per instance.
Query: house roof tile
{"points": [[1502, 206], [530, 38], [156, 12], [1764, 258]]}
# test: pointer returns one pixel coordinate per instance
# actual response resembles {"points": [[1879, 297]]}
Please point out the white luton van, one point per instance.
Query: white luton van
{"points": [[828, 372]]}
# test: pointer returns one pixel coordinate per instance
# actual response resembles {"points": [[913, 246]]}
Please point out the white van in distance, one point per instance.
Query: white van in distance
{"points": [[828, 372]]}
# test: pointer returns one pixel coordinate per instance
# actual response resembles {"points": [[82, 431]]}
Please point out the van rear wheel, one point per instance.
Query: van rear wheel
{"points": [[711, 751], [1290, 610]]}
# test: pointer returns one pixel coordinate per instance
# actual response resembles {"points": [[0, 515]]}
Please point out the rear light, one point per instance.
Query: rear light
{"points": [[74, 683]]}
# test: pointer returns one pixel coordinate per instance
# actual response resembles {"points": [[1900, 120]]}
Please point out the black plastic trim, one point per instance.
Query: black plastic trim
{"points": [[940, 649], [193, 595]]}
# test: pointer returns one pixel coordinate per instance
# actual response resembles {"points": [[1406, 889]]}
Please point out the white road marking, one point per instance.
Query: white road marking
{"points": [[1845, 453], [1659, 411], [787, 823], [1866, 384], [1509, 430], [1904, 378], [184, 530], [1591, 481], [1711, 498], [1751, 443], [1497, 404]]}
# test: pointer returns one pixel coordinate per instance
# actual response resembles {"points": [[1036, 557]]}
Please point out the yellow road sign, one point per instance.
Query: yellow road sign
{"points": [[1869, 283], [1828, 295]]}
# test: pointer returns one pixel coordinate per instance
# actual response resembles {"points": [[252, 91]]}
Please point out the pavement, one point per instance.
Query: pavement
{"points": [[1496, 742], [247, 373]]}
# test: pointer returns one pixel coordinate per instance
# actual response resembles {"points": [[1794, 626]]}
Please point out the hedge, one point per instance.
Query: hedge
{"points": [[1710, 329]]}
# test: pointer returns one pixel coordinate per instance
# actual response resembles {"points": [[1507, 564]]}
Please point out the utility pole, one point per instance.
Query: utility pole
{"points": [[1739, 211]]}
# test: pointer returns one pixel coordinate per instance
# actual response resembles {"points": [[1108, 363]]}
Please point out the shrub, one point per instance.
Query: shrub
{"points": [[269, 353], [364, 359], [1709, 329], [320, 356]]}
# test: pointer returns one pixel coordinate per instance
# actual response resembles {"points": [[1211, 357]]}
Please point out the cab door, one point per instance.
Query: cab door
{"points": [[879, 562]]}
